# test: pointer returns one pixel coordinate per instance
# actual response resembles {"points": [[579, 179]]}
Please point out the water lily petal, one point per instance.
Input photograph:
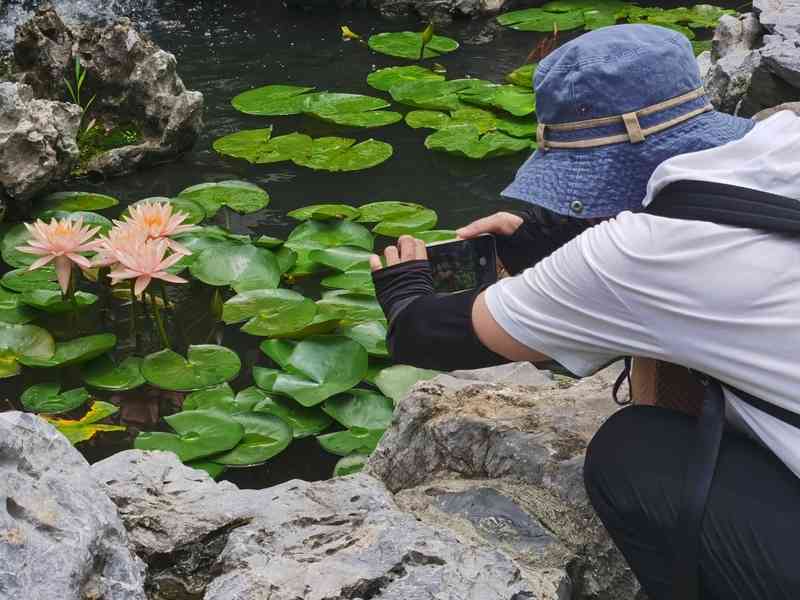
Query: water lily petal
{"points": [[63, 272], [169, 277], [40, 262], [141, 284]]}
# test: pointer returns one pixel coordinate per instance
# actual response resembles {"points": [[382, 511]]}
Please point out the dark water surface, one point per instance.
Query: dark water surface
{"points": [[224, 48]]}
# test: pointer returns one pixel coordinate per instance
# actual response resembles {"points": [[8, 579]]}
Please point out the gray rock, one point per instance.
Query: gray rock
{"points": [[502, 465], [768, 112], [704, 63], [130, 77], [438, 10], [343, 538], [37, 141], [779, 16], [60, 536], [740, 33], [782, 59], [729, 79]]}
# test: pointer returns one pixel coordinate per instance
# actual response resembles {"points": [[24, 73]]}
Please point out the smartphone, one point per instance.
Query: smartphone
{"points": [[459, 265]]}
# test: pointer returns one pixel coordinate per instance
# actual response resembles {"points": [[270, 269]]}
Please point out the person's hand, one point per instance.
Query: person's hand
{"points": [[407, 249], [502, 223]]}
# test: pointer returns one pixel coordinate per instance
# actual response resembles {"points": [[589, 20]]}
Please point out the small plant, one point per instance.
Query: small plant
{"points": [[75, 88], [427, 36]]}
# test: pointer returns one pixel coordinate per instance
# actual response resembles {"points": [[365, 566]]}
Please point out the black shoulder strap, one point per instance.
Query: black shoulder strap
{"points": [[727, 205]]}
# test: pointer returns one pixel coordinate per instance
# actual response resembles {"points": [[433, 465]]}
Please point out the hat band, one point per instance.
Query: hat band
{"points": [[635, 134]]}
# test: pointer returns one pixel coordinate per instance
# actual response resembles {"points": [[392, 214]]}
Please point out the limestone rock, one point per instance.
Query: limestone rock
{"points": [[37, 141], [343, 538], [501, 465], [60, 536], [735, 34], [779, 16], [438, 10]]}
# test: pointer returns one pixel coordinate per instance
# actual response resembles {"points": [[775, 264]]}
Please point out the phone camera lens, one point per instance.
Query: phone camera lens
{"points": [[482, 261]]}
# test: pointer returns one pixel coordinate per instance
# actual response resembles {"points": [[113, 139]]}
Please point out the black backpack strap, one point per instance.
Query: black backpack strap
{"points": [[727, 205], [699, 476]]}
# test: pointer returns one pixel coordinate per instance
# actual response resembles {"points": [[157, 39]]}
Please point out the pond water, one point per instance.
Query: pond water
{"points": [[224, 48]]}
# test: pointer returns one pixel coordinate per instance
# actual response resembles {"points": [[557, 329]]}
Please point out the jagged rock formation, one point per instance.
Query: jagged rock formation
{"points": [[438, 10]]}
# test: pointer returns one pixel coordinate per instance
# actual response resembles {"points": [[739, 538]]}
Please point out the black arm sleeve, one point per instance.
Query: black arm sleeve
{"points": [[542, 232], [429, 330]]}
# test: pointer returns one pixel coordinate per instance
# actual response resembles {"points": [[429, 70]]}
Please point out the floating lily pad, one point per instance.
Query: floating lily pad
{"points": [[194, 211], [370, 334], [516, 100], [88, 218], [213, 469], [324, 212], [427, 119], [408, 44], [269, 312], [538, 19], [23, 342], [360, 409], [16, 236], [523, 76], [350, 464], [48, 398], [103, 373], [74, 351], [321, 324], [267, 241], [396, 381], [342, 258], [357, 280], [221, 397], [318, 368], [305, 421], [21, 280], [436, 235], [385, 79], [465, 140], [375, 118], [319, 235], [241, 196], [265, 436], [344, 443], [272, 100], [12, 310], [287, 259], [53, 301], [72, 201], [279, 351], [387, 210], [199, 433], [349, 306], [259, 147], [343, 154], [408, 225], [205, 365], [86, 427], [243, 267], [433, 95]]}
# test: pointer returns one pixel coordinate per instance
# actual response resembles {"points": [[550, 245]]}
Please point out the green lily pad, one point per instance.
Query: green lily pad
{"points": [[324, 212], [319, 235], [357, 280], [87, 426], [199, 433], [385, 79], [342, 258], [221, 397], [321, 324], [318, 368], [350, 464], [518, 101], [271, 100], [343, 154], [396, 381], [538, 19], [427, 119], [349, 306], [269, 242], [408, 44], [523, 76], [305, 421], [387, 210], [265, 436], [22, 342], [370, 334], [241, 196], [74, 351], [53, 301], [408, 225], [243, 267], [89, 218], [257, 146], [287, 259], [16, 236], [269, 312], [434, 95], [12, 310], [436, 235], [213, 469], [279, 351], [376, 118], [47, 398], [205, 365], [360, 409], [21, 280], [344, 443], [72, 201], [194, 211], [103, 373], [465, 140]]}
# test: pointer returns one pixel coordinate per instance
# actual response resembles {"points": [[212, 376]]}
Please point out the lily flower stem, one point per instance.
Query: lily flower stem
{"points": [[178, 327], [159, 322], [134, 316], [70, 297], [227, 218]]}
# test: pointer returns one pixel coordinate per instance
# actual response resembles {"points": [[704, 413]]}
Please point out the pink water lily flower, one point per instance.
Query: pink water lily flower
{"points": [[124, 237], [158, 220], [145, 263], [62, 241]]}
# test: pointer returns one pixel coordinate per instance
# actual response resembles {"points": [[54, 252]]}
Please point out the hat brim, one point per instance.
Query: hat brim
{"points": [[604, 181]]}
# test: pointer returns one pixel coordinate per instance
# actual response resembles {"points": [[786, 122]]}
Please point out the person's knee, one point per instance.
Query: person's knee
{"points": [[603, 451]]}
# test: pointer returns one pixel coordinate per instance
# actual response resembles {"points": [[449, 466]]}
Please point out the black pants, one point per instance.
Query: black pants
{"points": [[750, 547]]}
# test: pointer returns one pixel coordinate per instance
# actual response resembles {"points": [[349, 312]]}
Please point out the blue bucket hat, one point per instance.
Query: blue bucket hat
{"points": [[612, 105]]}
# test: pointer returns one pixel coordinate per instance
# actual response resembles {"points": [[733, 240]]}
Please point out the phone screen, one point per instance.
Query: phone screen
{"points": [[463, 264]]}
